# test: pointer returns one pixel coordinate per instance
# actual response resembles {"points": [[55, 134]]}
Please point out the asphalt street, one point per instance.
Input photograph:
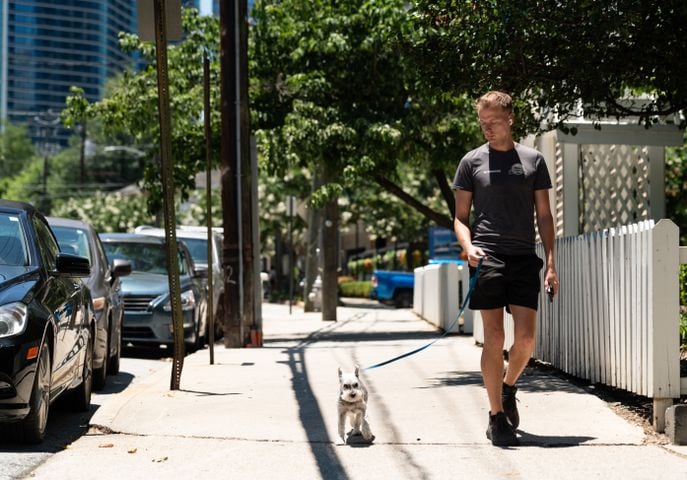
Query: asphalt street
{"points": [[65, 427]]}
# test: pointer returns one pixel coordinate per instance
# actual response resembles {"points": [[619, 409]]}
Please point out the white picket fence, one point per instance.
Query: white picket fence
{"points": [[616, 319]]}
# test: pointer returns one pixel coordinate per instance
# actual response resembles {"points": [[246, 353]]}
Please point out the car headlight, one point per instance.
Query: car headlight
{"points": [[13, 319], [188, 301]]}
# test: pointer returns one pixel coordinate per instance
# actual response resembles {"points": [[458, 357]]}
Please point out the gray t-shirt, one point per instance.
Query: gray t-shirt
{"points": [[502, 186]]}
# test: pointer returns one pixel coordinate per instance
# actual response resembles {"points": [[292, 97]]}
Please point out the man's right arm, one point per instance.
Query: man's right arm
{"points": [[460, 225]]}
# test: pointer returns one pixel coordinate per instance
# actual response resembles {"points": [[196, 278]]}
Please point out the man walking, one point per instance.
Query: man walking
{"points": [[506, 183]]}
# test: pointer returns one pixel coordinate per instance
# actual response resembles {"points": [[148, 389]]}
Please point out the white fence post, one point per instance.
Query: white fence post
{"points": [[664, 346]]}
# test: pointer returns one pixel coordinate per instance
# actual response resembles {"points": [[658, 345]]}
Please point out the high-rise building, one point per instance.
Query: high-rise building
{"points": [[48, 46]]}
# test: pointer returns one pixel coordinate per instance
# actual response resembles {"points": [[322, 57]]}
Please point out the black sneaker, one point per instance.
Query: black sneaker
{"points": [[500, 432], [510, 406]]}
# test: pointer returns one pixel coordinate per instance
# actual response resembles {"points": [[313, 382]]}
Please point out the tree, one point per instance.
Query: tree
{"points": [[557, 56], [16, 152], [129, 106], [342, 104], [15, 149], [676, 186]]}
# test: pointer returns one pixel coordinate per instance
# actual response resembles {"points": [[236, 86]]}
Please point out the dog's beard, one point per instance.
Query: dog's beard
{"points": [[347, 396]]}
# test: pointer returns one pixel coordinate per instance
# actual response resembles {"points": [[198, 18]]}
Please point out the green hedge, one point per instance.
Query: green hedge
{"points": [[355, 289]]}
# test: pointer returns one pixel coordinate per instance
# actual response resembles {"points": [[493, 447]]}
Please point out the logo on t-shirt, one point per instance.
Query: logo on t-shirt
{"points": [[516, 169]]}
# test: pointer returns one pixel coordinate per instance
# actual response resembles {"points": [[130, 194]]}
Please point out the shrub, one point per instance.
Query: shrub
{"points": [[356, 289]]}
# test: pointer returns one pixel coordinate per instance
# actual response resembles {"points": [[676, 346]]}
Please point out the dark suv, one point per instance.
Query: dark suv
{"points": [[147, 305]]}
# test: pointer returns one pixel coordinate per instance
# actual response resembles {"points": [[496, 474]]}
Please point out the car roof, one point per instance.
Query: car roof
{"points": [[67, 222], [10, 205], [131, 238], [181, 232]]}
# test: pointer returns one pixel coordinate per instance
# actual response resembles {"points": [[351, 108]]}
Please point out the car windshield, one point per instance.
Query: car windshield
{"points": [[198, 248], [73, 240], [13, 248], [144, 257]]}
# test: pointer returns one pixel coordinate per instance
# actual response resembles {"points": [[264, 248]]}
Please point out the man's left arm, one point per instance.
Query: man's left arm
{"points": [[547, 235]]}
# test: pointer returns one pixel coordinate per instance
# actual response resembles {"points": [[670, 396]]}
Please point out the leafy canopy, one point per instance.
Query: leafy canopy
{"points": [[552, 54]]}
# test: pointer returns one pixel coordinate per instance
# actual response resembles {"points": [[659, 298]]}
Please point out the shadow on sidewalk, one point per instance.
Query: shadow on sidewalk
{"points": [[551, 441], [311, 417], [531, 381], [357, 337]]}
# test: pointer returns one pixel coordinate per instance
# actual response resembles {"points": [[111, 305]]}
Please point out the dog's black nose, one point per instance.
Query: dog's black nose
{"points": [[352, 394]]}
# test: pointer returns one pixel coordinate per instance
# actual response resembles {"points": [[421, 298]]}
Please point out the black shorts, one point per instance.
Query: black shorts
{"points": [[507, 280]]}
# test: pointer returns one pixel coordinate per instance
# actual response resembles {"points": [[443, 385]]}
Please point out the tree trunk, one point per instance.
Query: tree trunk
{"points": [[330, 252]]}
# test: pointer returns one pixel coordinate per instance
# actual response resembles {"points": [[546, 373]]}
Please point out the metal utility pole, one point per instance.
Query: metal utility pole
{"points": [[168, 190], [233, 325], [208, 195]]}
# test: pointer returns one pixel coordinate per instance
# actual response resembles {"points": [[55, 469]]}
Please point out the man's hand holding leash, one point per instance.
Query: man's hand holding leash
{"points": [[551, 283], [474, 256]]}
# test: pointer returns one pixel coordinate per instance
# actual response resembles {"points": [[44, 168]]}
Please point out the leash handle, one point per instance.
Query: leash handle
{"points": [[473, 282]]}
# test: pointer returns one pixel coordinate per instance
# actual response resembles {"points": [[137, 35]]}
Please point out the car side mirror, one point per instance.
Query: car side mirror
{"points": [[200, 272], [121, 267], [74, 265]]}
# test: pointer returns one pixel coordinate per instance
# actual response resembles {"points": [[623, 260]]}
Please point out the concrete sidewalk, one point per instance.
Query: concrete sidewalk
{"points": [[271, 413]]}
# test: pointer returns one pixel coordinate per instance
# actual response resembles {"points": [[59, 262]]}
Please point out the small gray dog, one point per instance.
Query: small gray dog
{"points": [[352, 404]]}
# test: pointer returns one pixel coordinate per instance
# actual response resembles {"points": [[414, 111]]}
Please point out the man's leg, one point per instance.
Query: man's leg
{"points": [[492, 356], [525, 321], [499, 430]]}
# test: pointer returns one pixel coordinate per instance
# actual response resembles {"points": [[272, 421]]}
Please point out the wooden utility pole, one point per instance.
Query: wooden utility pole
{"points": [[250, 297], [229, 151]]}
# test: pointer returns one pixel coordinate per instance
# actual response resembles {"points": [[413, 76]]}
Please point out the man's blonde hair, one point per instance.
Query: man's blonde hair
{"points": [[495, 99]]}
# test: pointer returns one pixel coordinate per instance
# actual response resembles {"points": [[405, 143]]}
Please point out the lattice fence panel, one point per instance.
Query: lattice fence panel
{"points": [[559, 199], [614, 186]]}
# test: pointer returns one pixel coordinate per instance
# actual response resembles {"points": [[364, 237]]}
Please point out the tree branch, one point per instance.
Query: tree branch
{"points": [[438, 218], [446, 191]]}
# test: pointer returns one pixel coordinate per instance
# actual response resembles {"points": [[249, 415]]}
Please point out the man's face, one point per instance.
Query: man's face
{"points": [[495, 123]]}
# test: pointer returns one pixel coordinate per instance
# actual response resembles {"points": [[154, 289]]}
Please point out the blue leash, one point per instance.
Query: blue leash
{"points": [[473, 281]]}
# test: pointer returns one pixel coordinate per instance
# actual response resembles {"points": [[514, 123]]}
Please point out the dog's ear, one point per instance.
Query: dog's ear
{"points": [[340, 373], [357, 371]]}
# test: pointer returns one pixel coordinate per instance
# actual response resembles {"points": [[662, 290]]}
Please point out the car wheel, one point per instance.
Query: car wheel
{"points": [[82, 394], [403, 299], [114, 360], [32, 428], [100, 374], [193, 345]]}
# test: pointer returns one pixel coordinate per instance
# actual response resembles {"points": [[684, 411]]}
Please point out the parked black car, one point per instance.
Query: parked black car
{"points": [[80, 238], [46, 323], [147, 306]]}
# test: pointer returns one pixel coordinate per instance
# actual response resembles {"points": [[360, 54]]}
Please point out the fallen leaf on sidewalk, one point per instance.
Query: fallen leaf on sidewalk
{"points": [[163, 459], [106, 445], [132, 450]]}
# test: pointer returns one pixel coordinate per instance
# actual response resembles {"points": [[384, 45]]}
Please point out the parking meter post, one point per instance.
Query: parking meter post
{"points": [[208, 198], [168, 191]]}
